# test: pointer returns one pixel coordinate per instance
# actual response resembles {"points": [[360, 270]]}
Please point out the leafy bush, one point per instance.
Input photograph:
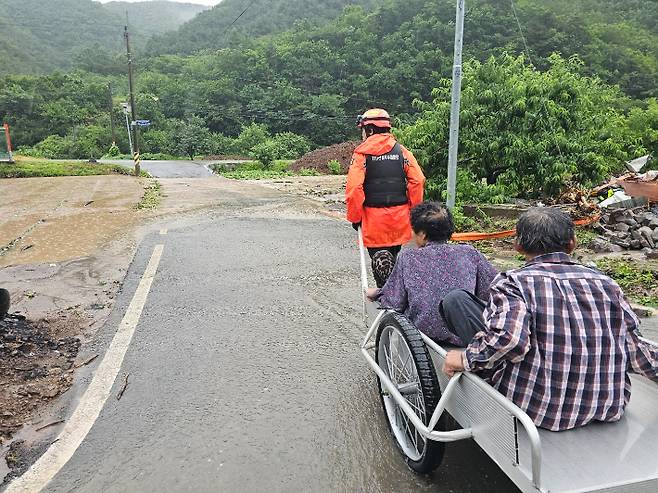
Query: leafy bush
{"points": [[191, 137], [256, 171], [308, 172], [470, 190], [290, 145], [265, 152], [113, 151], [334, 167], [251, 136]]}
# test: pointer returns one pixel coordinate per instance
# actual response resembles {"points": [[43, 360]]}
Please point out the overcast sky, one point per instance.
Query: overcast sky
{"points": [[202, 2]]}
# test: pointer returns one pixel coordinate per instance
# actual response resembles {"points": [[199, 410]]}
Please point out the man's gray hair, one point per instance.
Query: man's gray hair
{"points": [[544, 230]]}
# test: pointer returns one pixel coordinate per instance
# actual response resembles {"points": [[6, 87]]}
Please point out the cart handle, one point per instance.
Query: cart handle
{"points": [[364, 276]]}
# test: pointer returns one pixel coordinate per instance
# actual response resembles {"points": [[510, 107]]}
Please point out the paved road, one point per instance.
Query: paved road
{"points": [[172, 169], [245, 374]]}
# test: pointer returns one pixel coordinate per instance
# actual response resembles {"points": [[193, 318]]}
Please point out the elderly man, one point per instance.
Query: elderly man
{"points": [[558, 338]]}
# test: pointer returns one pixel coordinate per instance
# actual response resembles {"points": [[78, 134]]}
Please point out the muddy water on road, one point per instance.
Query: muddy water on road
{"points": [[368, 460]]}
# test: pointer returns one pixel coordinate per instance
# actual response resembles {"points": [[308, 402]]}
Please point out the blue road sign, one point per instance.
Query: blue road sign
{"points": [[143, 123]]}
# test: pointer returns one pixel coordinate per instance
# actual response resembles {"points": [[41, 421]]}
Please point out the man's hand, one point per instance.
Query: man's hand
{"points": [[372, 294], [356, 226], [453, 363]]}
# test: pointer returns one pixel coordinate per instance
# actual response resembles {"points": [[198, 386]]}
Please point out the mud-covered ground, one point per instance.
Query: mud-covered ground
{"points": [[65, 247], [37, 362]]}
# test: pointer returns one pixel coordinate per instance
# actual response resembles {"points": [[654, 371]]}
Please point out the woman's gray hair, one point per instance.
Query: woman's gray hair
{"points": [[544, 230]]}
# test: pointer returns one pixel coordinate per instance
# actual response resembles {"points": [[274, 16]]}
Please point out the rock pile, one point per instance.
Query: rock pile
{"points": [[628, 229]]}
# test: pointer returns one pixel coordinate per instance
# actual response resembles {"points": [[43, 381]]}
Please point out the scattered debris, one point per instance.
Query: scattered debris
{"points": [[637, 165], [36, 364], [124, 386], [86, 362], [54, 423], [642, 186]]}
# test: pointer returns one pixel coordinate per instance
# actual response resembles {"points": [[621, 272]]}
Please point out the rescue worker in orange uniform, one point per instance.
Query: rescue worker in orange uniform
{"points": [[384, 182]]}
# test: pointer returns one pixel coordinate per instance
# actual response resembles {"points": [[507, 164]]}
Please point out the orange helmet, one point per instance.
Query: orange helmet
{"points": [[377, 117]]}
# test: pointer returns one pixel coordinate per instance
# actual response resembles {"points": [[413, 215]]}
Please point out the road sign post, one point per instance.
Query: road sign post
{"points": [[130, 135], [8, 139]]}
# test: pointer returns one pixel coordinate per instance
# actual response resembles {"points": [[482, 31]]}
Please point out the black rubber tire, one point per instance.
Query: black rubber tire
{"points": [[433, 454], [5, 302]]}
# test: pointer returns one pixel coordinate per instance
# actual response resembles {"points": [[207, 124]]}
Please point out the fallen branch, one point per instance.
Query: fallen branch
{"points": [[49, 425], [85, 363], [123, 387]]}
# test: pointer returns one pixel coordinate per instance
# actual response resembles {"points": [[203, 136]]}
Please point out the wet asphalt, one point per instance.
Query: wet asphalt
{"points": [[246, 375], [173, 169]]}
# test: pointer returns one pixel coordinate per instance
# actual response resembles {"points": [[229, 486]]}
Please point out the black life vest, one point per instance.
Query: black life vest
{"points": [[385, 184]]}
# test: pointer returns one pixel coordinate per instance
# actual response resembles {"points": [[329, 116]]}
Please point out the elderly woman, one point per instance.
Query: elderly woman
{"points": [[422, 277]]}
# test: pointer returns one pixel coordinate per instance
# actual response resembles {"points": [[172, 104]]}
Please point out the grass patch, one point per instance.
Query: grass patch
{"points": [[147, 156], [479, 222], [638, 283], [254, 170], [33, 168], [152, 196], [585, 236]]}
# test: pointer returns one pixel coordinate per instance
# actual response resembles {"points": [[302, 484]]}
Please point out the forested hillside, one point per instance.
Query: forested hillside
{"points": [[155, 17], [42, 36], [312, 81], [213, 30]]}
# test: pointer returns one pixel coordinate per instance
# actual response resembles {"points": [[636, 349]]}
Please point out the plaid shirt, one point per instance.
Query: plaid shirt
{"points": [[559, 340]]}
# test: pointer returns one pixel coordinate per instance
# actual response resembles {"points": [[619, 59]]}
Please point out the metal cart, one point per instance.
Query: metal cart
{"points": [[417, 398]]}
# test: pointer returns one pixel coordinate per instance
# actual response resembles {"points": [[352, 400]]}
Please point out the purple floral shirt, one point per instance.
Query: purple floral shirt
{"points": [[422, 277]]}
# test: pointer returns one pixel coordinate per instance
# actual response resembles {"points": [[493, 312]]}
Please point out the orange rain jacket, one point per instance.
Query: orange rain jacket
{"points": [[382, 226]]}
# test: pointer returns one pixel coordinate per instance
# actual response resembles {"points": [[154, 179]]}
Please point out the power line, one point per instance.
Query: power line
{"points": [[237, 18], [518, 23], [528, 54]]}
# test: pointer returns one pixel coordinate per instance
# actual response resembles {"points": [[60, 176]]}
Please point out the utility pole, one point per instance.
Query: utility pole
{"points": [[456, 102], [111, 110], [133, 110]]}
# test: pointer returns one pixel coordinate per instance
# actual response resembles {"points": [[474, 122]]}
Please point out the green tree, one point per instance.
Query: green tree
{"points": [[191, 137], [536, 132], [644, 124], [251, 136]]}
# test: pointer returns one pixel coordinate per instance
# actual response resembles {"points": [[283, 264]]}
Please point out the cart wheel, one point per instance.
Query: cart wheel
{"points": [[403, 356]]}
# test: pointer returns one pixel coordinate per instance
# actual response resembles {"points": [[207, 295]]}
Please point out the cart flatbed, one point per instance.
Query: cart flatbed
{"points": [[600, 457]]}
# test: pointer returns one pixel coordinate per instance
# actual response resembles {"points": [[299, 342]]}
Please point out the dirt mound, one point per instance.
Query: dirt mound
{"points": [[36, 365], [319, 158]]}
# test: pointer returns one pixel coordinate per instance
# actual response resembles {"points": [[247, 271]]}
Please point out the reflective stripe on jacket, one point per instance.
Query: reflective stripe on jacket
{"points": [[382, 226]]}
